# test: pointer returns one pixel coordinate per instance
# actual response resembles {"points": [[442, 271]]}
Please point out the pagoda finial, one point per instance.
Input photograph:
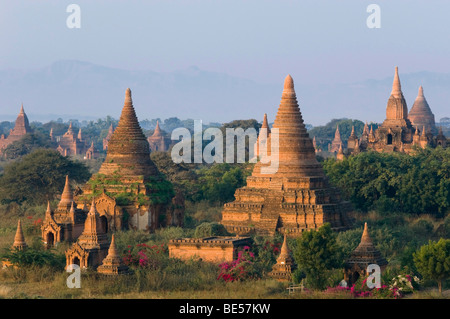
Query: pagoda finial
{"points": [[396, 86], [22, 110], [284, 252], [157, 131], [288, 82], [128, 99], [48, 212], [420, 91], [265, 123], [365, 238]]}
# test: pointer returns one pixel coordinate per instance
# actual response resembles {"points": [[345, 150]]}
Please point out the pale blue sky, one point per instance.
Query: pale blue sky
{"points": [[315, 41], [262, 40]]}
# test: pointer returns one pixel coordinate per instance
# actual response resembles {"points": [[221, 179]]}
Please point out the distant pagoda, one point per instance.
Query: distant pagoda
{"points": [[158, 142], [295, 198], [124, 188], [337, 141], [21, 128], [420, 114]]}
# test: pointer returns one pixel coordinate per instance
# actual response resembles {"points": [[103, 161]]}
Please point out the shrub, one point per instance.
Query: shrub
{"points": [[207, 229], [240, 269]]}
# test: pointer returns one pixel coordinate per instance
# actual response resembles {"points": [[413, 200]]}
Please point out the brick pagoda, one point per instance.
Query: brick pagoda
{"points": [[297, 196]]}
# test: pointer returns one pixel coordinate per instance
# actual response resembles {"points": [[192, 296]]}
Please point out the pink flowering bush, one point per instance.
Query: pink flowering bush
{"points": [[361, 290], [242, 268], [145, 256]]}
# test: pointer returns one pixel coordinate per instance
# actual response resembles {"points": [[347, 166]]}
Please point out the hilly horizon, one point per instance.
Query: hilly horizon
{"points": [[83, 90]]}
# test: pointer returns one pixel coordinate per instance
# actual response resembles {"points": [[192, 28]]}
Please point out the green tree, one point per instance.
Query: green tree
{"points": [[433, 261], [316, 254], [26, 145], [417, 183], [39, 176]]}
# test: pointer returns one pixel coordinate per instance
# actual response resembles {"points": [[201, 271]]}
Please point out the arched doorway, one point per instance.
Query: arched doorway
{"points": [[104, 222], [50, 239], [389, 139], [76, 261]]}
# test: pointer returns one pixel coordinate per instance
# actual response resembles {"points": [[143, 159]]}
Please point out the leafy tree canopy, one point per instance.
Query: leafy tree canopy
{"points": [[39, 176]]}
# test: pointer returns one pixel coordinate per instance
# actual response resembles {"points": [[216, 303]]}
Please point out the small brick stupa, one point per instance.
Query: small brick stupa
{"points": [[113, 263], [420, 114], [91, 248], [297, 196], [363, 255], [19, 239], [282, 270]]}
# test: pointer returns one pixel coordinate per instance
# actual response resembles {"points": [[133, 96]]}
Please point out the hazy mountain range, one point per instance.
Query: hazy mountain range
{"points": [[82, 90]]}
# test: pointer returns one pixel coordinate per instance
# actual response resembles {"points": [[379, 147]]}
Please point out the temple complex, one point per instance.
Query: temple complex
{"points": [[129, 191], [282, 270], [215, 249], [66, 223], [400, 131], [294, 197], [92, 245], [158, 141], [70, 143], [113, 263], [363, 255], [21, 128]]}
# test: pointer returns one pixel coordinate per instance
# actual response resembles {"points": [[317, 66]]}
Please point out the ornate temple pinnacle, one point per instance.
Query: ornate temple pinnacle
{"points": [[396, 86]]}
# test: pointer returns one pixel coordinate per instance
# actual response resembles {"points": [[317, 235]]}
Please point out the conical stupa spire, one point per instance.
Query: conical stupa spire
{"points": [[80, 135], [112, 251], [113, 264], [420, 113], [157, 131], [352, 134], [66, 196], [48, 212], [365, 238], [396, 86], [366, 129], [22, 111], [265, 123], [19, 239], [296, 154], [285, 256], [128, 149]]}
